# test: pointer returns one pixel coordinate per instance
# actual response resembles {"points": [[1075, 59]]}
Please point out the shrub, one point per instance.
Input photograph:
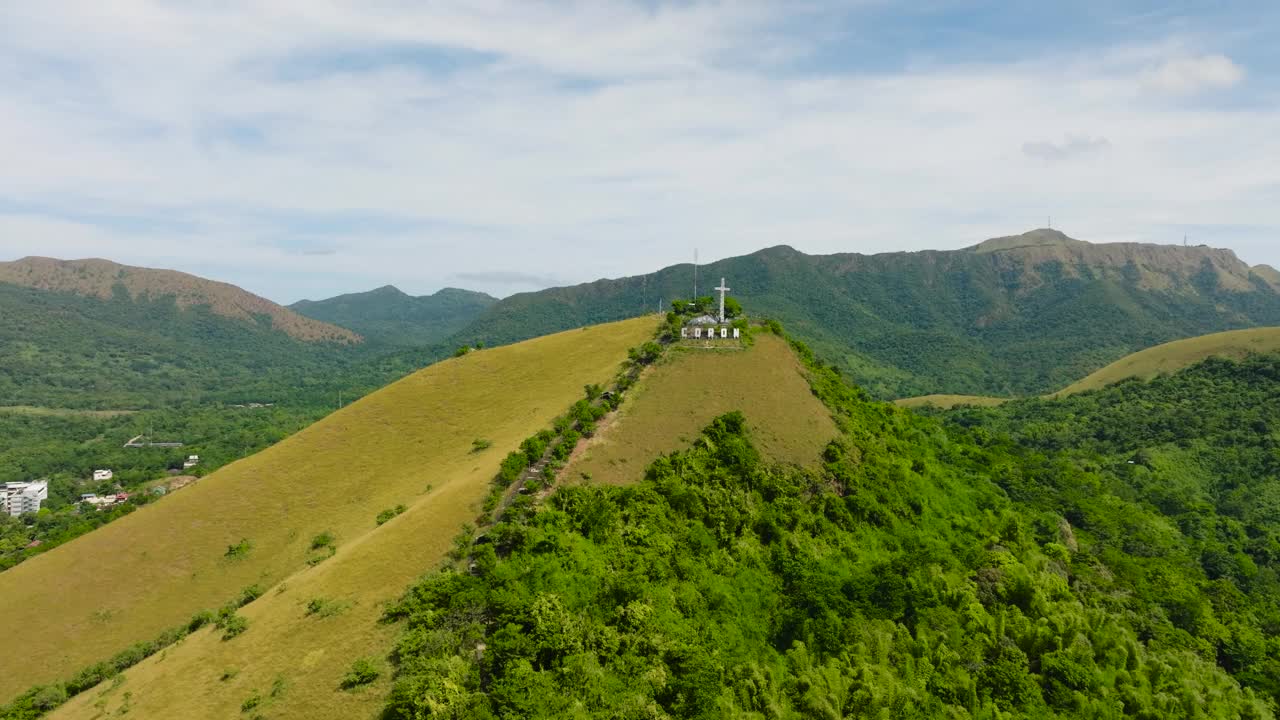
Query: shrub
{"points": [[199, 620], [389, 513], [251, 702], [239, 550], [324, 607], [363, 672], [481, 444], [248, 595], [323, 540], [229, 674], [233, 625], [315, 560]]}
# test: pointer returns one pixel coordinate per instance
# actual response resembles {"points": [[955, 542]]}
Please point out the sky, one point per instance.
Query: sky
{"points": [[306, 148]]}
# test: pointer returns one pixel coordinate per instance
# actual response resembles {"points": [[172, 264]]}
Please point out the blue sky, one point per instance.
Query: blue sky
{"points": [[309, 148]]}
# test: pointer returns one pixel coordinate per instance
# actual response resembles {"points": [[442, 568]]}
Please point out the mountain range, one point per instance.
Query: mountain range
{"points": [[97, 334], [1016, 315], [389, 316], [1011, 316]]}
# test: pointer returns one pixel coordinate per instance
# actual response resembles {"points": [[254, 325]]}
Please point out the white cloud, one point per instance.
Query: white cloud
{"points": [[571, 141], [1188, 75], [1071, 147]]}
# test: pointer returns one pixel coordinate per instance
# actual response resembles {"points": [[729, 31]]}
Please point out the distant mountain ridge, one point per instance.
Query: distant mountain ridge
{"points": [[1154, 267], [388, 315], [103, 278], [96, 334], [1017, 315]]}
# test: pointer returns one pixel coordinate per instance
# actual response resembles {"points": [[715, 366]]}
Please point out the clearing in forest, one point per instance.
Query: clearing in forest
{"points": [[946, 402], [152, 570], [674, 401]]}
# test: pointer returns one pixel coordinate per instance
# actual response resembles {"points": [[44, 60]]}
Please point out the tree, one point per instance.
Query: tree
{"points": [[732, 308]]}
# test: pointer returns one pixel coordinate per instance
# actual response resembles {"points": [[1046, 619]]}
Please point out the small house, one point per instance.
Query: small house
{"points": [[102, 475], [190, 462]]}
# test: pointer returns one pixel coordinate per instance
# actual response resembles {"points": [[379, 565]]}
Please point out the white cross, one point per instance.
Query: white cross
{"points": [[722, 290]]}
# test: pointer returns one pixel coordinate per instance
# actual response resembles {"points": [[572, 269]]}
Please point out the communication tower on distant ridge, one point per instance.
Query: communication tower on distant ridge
{"points": [[695, 274]]}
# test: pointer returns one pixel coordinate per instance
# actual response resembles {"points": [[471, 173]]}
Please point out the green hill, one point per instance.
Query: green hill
{"points": [[1144, 364], [1012, 316], [92, 334], [391, 317], [921, 571], [1172, 357], [254, 522], [1011, 563], [1196, 450]]}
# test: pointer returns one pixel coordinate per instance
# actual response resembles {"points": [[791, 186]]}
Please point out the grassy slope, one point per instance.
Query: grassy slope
{"points": [[154, 569], [946, 402], [677, 399], [310, 653], [1145, 364], [1180, 354]]}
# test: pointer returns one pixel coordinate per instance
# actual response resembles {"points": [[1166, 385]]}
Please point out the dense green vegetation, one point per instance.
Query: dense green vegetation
{"points": [[390, 317], [923, 572], [71, 351], [1195, 458], [957, 322]]}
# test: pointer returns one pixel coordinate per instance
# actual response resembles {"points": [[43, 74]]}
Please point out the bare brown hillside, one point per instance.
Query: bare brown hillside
{"points": [[100, 278]]}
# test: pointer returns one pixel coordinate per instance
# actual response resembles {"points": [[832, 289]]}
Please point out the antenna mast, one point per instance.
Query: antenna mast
{"points": [[695, 274]]}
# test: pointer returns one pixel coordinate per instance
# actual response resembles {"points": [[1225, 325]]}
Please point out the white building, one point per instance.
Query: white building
{"points": [[102, 475], [191, 461], [25, 497]]}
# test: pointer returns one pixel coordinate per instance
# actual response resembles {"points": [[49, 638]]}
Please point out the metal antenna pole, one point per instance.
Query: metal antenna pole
{"points": [[695, 274]]}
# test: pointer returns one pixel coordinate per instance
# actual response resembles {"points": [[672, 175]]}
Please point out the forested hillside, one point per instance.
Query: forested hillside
{"points": [[389, 316], [924, 571], [1013, 316], [93, 353], [96, 335]]}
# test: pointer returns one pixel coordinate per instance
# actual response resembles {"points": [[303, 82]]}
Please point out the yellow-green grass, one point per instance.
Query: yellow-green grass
{"points": [[675, 400], [1174, 356], [946, 402], [62, 412], [153, 569], [309, 653]]}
